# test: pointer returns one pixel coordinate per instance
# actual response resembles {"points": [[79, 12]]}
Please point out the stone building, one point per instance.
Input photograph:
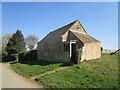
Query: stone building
{"points": [[70, 43]]}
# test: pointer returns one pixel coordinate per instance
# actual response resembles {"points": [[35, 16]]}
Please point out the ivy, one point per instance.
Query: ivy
{"points": [[79, 54]]}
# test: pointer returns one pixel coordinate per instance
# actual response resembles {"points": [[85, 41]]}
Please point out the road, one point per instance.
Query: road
{"points": [[10, 79], [0, 76]]}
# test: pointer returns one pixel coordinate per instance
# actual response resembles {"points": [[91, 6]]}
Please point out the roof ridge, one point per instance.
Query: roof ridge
{"points": [[65, 25]]}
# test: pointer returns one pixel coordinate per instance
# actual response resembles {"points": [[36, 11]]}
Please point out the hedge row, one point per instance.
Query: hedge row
{"points": [[8, 58], [28, 56], [25, 56]]}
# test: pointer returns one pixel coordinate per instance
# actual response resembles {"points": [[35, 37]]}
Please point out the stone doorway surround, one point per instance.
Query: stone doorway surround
{"points": [[71, 51]]}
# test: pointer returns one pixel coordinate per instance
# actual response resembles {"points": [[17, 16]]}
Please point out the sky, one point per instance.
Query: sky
{"points": [[100, 19]]}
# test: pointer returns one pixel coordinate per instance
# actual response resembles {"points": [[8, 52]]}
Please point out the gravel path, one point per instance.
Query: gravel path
{"points": [[10, 79]]}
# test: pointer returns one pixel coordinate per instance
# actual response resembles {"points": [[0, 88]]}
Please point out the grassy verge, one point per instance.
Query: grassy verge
{"points": [[99, 73], [33, 68]]}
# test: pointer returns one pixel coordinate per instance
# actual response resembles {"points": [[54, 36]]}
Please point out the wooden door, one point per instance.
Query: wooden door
{"points": [[73, 54]]}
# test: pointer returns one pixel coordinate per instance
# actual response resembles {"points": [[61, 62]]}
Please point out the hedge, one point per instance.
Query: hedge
{"points": [[28, 56], [33, 54], [8, 58], [24, 56]]}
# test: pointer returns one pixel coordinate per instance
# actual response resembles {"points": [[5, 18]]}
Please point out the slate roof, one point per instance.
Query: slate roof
{"points": [[58, 32], [85, 38]]}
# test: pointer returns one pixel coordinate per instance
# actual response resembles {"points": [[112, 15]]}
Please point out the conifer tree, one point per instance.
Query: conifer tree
{"points": [[16, 43]]}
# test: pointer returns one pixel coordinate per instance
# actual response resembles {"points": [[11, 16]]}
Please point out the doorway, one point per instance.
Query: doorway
{"points": [[73, 53]]}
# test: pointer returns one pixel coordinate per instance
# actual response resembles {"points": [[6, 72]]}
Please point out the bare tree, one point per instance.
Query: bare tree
{"points": [[6, 38], [3, 42], [31, 41]]}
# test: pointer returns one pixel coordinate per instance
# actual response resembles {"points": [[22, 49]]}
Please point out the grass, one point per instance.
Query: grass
{"points": [[98, 73], [33, 68]]}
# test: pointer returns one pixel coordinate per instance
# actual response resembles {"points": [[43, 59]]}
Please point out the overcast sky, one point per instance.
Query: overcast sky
{"points": [[100, 19]]}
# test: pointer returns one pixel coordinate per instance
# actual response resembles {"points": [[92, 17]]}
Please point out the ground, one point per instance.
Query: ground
{"points": [[33, 68], [11, 79], [1, 75], [98, 73]]}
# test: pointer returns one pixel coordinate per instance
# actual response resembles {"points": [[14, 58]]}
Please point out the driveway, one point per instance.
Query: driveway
{"points": [[10, 79]]}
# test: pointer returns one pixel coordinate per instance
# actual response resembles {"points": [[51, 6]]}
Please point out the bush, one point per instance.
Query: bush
{"points": [[79, 54], [33, 54], [4, 53], [8, 58], [22, 56], [28, 56]]}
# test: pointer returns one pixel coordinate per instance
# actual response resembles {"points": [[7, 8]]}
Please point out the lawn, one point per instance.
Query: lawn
{"points": [[33, 68], [98, 73]]}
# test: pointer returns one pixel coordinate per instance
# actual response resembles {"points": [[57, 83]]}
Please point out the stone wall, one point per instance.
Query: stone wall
{"points": [[78, 27], [91, 51], [51, 48], [52, 51]]}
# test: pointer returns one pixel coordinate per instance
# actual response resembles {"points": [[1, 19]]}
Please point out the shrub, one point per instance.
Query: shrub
{"points": [[33, 54], [79, 54], [4, 53], [8, 58], [28, 56], [22, 56]]}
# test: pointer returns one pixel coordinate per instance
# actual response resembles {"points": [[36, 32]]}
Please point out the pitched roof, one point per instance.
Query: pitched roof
{"points": [[58, 32], [85, 38]]}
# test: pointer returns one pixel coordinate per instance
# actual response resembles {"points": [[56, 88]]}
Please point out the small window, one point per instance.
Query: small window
{"points": [[66, 47], [78, 27]]}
